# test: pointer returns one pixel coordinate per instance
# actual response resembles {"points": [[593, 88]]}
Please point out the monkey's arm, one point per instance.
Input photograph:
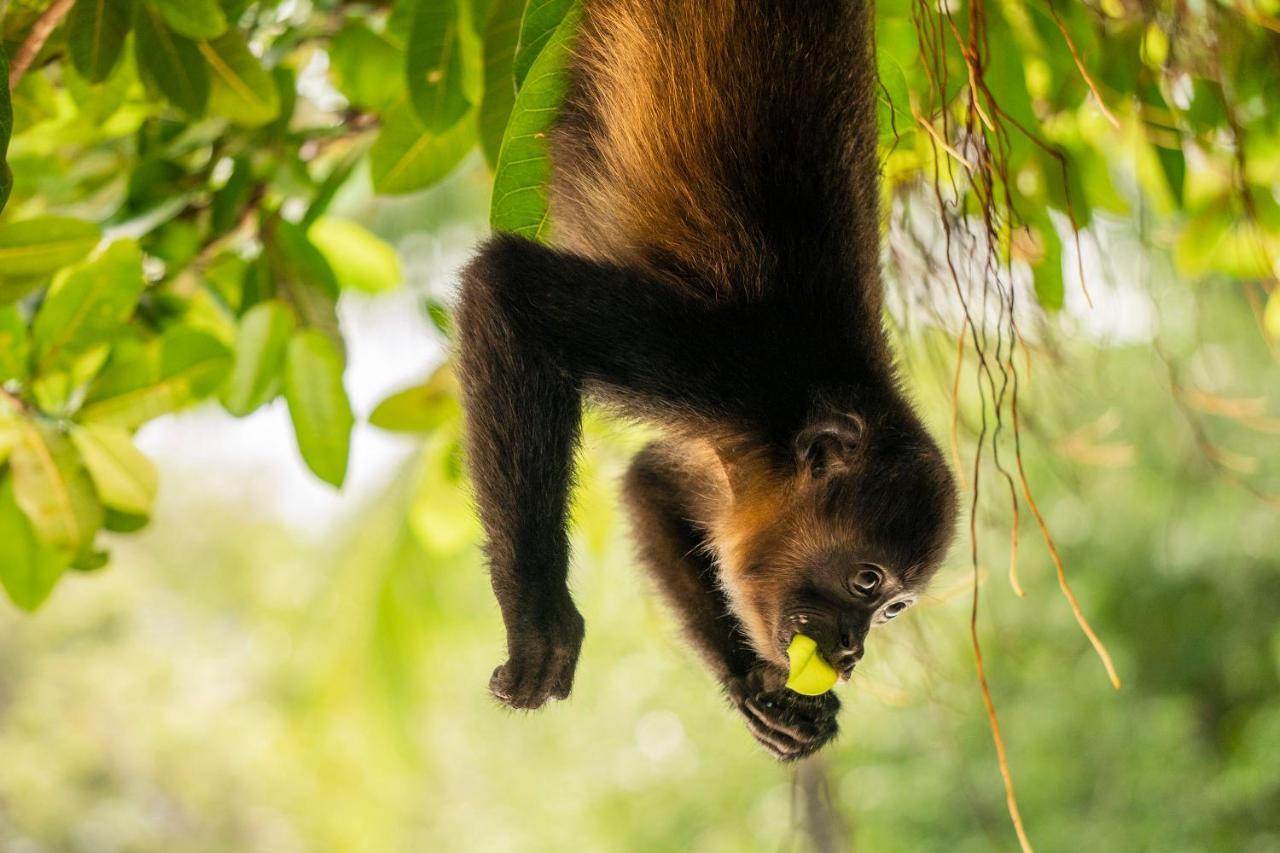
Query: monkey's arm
{"points": [[535, 327], [659, 494], [673, 550]]}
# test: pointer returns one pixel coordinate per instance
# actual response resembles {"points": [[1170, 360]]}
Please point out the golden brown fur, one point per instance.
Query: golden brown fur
{"points": [[671, 132]]}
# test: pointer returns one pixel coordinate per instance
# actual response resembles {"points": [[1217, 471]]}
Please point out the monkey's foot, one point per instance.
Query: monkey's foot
{"points": [[541, 662], [789, 726]]}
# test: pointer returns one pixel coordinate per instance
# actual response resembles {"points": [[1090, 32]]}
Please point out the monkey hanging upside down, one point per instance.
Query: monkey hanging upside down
{"points": [[715, 272]]}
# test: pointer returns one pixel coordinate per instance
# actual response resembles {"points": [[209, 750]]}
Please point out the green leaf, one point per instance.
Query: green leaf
{"points": [[96, 30], [524, 166], [144, 381], [369, 67], [537, 27], [1174, 165], [243, 91], [894, 100], [125, 479], [406, 158], [15, 345], [98, 102], [318, 405], [1048, 272], [438, 314], [422, 408], [29, 569], [198, 19], [88, 306], [360, 260], [229, 200], [123, 522], [501, 32], [90, 561], [53, 488], [435, 65], [172, 60], [258, 366], [40, 247], [302, 277]]}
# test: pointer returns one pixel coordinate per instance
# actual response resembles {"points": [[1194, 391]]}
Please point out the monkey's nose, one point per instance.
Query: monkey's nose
{"points": [[846, 657]]}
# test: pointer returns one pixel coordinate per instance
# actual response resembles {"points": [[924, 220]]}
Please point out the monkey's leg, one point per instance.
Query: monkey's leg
{"points": [[536, 326], [658, 492]]}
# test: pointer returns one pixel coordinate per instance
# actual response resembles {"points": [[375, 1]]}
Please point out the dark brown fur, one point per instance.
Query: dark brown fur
{"points": [[715, 271]]}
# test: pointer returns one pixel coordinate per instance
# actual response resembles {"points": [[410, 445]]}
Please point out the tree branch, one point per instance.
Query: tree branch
{"points": [[40, 32]]}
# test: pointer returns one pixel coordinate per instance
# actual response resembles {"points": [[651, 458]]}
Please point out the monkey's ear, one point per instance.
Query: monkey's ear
{"points": [[827, 445]]}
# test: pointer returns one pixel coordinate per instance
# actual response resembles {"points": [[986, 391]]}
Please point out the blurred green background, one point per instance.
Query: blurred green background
{"points": [[272, 667]]}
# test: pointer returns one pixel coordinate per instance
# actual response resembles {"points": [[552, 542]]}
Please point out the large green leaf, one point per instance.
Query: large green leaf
{"points": [[6, 129], [406, 158], [53, 488], [29, 569], [40, 247], [501, 31], [369, 67], [15, 345], [436, 65], [302, 277], [144, 381], [360, 260], [422, 408], [125, 480], [88, 306], [198, 19], [318, 404], [97, 102], [243, 90], [537, 27], [96, 31], [173, 61], [524, 166], [258, 366]]}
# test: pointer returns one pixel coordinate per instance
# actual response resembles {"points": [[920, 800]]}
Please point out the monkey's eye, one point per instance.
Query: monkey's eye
{"points": [[866, 581], [894, 609]]}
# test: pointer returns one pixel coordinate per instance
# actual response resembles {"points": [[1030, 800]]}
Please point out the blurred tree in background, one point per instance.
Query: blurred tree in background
{"points": [[1082, 200]]}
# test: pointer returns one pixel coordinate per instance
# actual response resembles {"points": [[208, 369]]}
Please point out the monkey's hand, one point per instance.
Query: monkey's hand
{"points": [[542, 654], [788, 725]]}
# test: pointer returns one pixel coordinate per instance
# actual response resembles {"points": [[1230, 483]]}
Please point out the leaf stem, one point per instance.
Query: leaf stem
{"points": [[40, 32]]}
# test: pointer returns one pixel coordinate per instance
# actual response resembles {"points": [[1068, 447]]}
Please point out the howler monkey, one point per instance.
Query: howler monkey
{"points": [[715, 271]]}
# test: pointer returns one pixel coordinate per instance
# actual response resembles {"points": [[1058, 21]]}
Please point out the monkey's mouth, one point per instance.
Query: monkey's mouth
{"points": [[796, 625], [808, 624]]}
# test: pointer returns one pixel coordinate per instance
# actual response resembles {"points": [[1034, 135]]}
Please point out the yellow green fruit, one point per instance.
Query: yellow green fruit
{"points": [[810, 673]]}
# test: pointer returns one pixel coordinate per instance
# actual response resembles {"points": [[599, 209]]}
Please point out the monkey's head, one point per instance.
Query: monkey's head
{"points": [[841, 535]]}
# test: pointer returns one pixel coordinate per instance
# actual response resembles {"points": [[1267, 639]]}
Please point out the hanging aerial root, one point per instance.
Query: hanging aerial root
{"points": [[1098, 645], [1010, 794], [1084, 73], [1013, 540], [955, 404], [993, 721]]}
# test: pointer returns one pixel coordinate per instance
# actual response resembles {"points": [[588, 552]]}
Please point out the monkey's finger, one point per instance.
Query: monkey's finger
{"points": [[511, 684], [800, 731], [762, 728]]}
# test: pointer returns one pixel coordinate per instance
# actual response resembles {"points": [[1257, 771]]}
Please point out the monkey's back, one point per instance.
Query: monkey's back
{"points": [[720, 141]]}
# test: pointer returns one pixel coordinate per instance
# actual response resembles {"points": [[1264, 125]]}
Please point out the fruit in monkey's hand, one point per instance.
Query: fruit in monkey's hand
{"points": [[810, 674]]}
